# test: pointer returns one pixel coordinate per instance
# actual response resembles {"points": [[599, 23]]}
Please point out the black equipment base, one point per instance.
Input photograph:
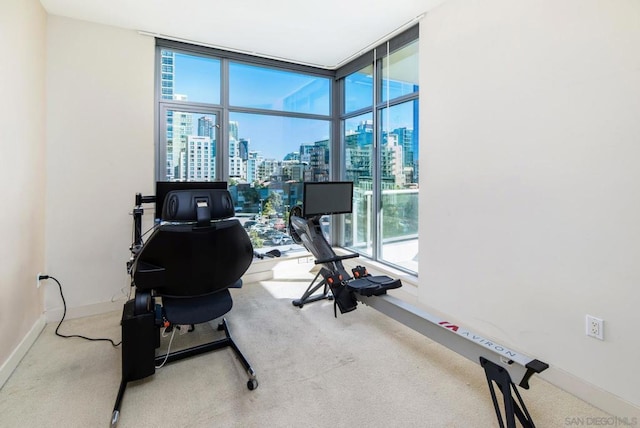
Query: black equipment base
{"points": [[309, 296], [138, 352], [512, 408]]}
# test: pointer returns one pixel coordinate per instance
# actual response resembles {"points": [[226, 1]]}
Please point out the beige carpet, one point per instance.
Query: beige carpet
{"points": [[359, 370]]}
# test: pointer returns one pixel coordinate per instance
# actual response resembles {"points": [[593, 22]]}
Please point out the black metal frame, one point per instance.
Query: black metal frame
{"points": [[227, 341], [141, 325], [512, 408], [309, 297], [170, 357]]}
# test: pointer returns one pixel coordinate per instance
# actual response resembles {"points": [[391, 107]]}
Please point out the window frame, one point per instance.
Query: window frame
{"points": [[336, 116], [374, 57], [225, 57]]}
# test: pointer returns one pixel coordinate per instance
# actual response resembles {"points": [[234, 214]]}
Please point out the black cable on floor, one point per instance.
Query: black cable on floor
{"points": [[64, 313]]}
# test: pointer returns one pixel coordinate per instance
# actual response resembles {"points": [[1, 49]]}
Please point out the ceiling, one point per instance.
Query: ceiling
{"points": [[321, 33]]}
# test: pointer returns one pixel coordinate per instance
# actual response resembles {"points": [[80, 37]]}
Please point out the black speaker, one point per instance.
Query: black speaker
{"points": [[138, 343]]}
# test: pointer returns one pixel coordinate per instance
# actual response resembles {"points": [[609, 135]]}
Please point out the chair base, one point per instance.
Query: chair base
{"points": [[132, 373], [208, 347]]}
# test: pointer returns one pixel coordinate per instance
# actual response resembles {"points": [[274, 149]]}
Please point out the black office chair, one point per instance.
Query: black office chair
{"points": [[188, 264]]}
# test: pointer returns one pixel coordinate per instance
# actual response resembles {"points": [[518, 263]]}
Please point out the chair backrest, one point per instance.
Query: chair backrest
{"points": [[201, 205], [199, 249]]}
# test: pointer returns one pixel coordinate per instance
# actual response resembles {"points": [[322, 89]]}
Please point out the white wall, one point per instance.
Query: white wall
{"points": [[529, 202], [100, 152], [530, 184], [22, 171]]}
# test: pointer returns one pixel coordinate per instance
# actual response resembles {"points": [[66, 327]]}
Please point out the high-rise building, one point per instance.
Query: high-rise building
{"points": [[268, 168], [391, 167], [293, 156], [407, 140], [200, 162], [167, 73], [294, 170], [233, 130], [305, 153], [359, 153], [206, 127], [182, 129], [318, 169], [253, 162], [243, 149]]}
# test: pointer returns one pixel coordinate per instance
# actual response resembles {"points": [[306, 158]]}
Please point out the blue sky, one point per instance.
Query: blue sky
{"points": [[256, 87]]}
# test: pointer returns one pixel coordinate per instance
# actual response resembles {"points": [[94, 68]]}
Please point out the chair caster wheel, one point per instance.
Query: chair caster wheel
{"points": [[252, 384]]}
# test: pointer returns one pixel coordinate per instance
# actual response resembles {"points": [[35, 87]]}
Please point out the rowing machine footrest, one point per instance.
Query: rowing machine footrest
{"points": [[373, 285], [359, 272]]}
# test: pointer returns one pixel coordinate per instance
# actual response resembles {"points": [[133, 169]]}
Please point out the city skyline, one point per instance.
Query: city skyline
{"points": [[199, 77], [274, 127]]}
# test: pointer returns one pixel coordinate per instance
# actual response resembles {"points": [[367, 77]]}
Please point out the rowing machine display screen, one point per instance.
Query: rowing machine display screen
{"points": [[325, 198]]}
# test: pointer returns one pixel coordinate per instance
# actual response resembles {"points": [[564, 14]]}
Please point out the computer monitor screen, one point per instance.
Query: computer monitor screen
{"points": [[329, 197], [164, 187]]}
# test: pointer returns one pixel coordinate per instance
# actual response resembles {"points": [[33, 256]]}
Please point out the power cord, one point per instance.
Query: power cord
{"points": [[154, 227], [64, 314], [166, 357]]}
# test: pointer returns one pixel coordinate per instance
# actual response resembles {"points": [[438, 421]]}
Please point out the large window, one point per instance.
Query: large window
{"points": [[262, 126], [379, 122], [267, 126]]}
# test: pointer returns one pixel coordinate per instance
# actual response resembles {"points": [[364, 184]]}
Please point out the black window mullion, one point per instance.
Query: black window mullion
{"points": [[399, 100], [266, 112]]}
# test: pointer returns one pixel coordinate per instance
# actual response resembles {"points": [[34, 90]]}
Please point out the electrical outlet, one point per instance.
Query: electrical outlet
{"points": [[38, 279], [595, 327]]}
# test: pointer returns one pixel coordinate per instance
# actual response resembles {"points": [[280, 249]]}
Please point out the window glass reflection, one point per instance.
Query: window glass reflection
{"points": [[399, 184], [189, 78], [358, 90], [400, 72], [358, 163], [271, 89]]}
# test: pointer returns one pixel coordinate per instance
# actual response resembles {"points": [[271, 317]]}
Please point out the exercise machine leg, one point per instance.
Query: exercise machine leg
{"points": [[512, 408], [308, 295]]}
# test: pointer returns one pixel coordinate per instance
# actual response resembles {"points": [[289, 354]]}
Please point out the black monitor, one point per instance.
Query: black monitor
{"points": [[164, 187], [328, 197]]}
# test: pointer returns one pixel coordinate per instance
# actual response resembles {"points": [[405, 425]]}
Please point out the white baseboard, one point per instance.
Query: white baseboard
{"points": [[21, 350], [591, 394], [604, 400]]}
